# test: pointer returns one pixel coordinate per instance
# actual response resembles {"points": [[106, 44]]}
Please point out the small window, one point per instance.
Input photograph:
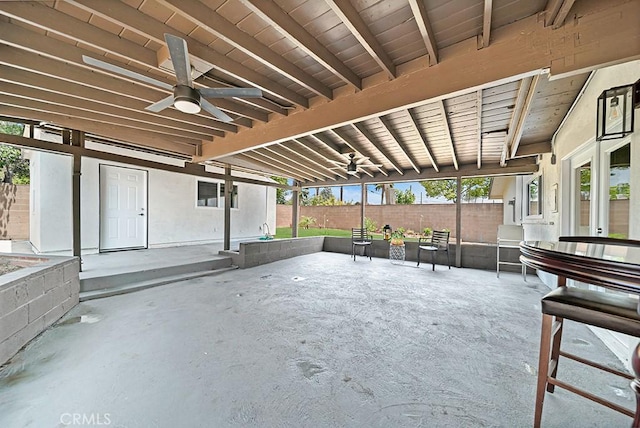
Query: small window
{"points": [[207, 194], [234, 196], [534, 196]]}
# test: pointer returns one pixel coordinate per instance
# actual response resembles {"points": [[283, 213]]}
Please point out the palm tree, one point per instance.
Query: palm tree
{"points": [[384, 188]]}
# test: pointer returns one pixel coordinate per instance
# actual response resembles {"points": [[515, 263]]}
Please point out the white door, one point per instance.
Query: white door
{"points": [[123, 208]]}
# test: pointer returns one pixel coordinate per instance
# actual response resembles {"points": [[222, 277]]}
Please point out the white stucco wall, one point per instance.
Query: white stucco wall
{"points": [[577, 133], [173, 215]]}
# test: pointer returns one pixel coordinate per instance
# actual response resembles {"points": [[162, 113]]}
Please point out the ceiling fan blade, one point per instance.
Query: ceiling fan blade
{"points": [[180, 59], [371, 165], [123, 71], [362, 159], [160, 105], [230, 92], [214, 111]]}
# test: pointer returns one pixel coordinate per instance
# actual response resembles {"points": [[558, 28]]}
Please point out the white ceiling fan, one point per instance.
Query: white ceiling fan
{"points": [[355, 166], [185, 97]]}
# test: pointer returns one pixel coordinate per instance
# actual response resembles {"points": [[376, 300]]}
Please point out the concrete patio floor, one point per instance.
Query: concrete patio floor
{"points": [[313, 341]]}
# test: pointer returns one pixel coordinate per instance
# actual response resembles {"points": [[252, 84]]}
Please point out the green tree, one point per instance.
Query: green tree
{"points": [[13, 167], [472, 188], [405, 197], [281, 194]]}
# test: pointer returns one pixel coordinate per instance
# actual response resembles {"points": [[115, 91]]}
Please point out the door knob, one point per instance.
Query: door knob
{"points": [[141, 214], [599, 230]]}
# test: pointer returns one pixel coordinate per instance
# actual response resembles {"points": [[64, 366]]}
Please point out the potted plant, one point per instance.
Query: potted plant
{"points": [[396, 247]]}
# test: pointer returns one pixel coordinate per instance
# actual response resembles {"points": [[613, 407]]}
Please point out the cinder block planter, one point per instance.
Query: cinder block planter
{"points": [[33, 298]]}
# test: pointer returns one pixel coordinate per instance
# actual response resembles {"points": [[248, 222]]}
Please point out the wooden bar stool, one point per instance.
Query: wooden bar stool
{"points": [[606, 310]]}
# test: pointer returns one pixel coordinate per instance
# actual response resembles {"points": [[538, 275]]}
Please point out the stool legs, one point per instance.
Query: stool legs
{"points": [[550, 340], [543, 367]]}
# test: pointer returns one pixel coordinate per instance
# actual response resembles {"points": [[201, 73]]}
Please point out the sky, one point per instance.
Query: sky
{"points": [[352, 193]]}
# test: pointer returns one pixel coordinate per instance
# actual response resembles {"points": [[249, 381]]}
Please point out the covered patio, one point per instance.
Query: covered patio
{"points": [[378, 345]]}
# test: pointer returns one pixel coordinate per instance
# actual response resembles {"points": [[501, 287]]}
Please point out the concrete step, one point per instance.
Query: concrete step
{"points": [[89, 282], [142, 285]]}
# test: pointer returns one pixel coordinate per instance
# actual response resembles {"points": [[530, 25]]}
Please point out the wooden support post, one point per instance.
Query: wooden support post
{"points": [[76, 138], [458, 222], [363, 199], [295, 206], [228, 194]]}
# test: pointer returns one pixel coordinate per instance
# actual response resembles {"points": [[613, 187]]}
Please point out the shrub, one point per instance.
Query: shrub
{"points": [[370, 225], [306, 221], [427, 231]]}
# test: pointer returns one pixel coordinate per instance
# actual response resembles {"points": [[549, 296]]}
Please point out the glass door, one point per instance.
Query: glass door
{"points": [[615, 190], [583, 203]]}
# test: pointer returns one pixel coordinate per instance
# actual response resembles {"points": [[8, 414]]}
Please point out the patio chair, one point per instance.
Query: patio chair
{"points": [[439, 241], [360, 239]]}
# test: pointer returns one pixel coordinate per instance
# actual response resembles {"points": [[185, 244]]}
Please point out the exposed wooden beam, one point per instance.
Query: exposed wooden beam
{"points": [[447, 132], [212, 22], [533, 149], [271, 13], [362, 130], [266, 166], [515, 141], [473, 69], [188, 168], [422, 20], [297, 161], [414, 124], [269, 160], [352, 20], [136, 21], [314, 156], [132, 109], [558, 21], [486, 23], [551, 11], [394, 136], [54, 58], [516, 117], [479, 101], [515, 166], [328, 144], [354, 145], [42, 100], [115, 132]]}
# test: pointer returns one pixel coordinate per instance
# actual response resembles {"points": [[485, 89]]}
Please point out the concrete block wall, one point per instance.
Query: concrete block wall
{"points": [[33, 298], [14, 212], [255, 253]]}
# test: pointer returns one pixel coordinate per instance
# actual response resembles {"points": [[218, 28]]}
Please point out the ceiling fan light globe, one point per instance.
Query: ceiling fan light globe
{"points": [[187, 106]]}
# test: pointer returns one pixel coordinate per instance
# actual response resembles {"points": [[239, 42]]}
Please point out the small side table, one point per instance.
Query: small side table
{"points": [[396, 254]]}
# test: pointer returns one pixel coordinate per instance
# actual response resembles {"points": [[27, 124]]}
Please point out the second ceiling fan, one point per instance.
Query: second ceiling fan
{"points": [[185, 97]]}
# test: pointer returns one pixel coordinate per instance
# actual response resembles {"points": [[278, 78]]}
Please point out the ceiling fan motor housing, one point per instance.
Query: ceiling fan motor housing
{"points": [[186, 99]]}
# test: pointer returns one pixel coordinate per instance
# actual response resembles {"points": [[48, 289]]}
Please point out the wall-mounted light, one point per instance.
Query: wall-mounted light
{"points": [[615, 113]]}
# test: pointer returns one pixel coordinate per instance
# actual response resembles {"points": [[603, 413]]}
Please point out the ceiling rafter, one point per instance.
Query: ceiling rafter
{"points": [[486, 23], [357, 147], [270, 159], [319, 159], [134, 108], [139, 138], [70, 73], [533, 149], [361, 128], [267, 166], [58, 22], [49, 101], [414, 124], [300, 161], [424, 25], [556, 12], [396, 139], [270, 12], [479, 101], [353, 21], [134, 20], [515, 134], [211, 21], [447, 132], [515, 117]]}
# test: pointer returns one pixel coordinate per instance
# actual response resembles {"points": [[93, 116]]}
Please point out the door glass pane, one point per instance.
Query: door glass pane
{"points": [[619, 191], [584, 200]]}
